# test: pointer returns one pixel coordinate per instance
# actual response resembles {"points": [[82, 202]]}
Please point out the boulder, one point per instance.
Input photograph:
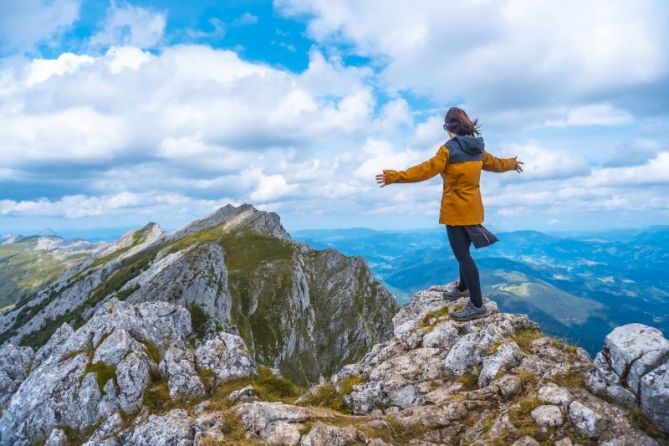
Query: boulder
{"points": [[585, 420], [654, 396], [547, 416], [554, 394], [227, 356], [178, 368], [627, 343], [507, 355], [276, 423]]}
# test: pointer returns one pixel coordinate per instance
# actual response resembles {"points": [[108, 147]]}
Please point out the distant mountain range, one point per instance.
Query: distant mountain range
{"points": [[577, 285], [28, 264]]}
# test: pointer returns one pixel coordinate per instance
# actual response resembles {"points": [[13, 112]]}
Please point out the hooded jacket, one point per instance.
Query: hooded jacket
{"points": [[459, 161]]}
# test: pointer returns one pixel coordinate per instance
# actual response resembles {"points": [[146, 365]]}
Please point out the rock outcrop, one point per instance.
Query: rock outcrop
{"points": [[632, 369], [125, 358], [137, 374], [306, 312]]}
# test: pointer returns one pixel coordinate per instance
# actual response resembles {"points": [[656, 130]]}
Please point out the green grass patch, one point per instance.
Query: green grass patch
{"points": [[522, 420], [272, 388], [524, 337], [327, 395], [469, 381], [199, 320], [151, 349], [404, 434], [570, 379], [124, 294], [157, 394], [432, 318], [130, 269], [560, 345], [102, 371], [493, 347]]}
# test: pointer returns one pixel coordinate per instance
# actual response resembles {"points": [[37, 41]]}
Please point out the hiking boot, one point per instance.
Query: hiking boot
{"points": [[469, 312], [451, 291]]}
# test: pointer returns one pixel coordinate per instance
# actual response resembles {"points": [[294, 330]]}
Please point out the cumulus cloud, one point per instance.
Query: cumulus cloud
{"points": [[654, 171], [597, 114], [540, 163], [110, 205], [506, 56]]}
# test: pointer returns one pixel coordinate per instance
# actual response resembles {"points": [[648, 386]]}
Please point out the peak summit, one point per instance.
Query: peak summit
{"points": [[242, 216]]}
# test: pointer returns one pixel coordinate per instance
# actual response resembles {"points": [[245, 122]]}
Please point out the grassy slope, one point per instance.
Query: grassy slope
{"points": [[24, 271]]}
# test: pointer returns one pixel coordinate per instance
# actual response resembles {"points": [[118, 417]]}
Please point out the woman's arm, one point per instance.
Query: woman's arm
{"points": [[419, 172], [494, 164]]}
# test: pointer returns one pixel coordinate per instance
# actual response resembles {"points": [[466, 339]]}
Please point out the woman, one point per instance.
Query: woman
{"points": [[459, 161]]}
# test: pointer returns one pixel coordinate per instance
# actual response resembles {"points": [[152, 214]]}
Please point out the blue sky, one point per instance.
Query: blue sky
{"points": [[118, 113]]}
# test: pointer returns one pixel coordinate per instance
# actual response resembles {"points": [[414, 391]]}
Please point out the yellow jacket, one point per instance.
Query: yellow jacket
{"points": [[459, 161]]}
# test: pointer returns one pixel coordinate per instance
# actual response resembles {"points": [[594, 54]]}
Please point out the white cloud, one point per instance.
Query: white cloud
{"points": [[25, 24], [130, 25], [507, 55], [596, 114], [120, 204], [40, 70], [270, 187], [540, 163], [654, 171]]}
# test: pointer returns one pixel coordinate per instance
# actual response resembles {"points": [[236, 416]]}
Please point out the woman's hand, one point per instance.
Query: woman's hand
{"points": [[381, 179], [518, 167]]}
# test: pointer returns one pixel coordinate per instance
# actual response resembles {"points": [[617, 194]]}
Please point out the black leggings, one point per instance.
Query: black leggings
{"points": [[469, 274]]}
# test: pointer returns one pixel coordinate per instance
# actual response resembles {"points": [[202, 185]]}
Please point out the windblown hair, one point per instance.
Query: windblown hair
{"points": [[458, 122]]}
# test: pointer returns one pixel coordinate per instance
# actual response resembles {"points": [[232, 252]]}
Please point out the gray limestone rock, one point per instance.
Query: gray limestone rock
{"points": [[654, 396], [547, 416], [15, 364], [507, 356], [554, 394], [585, 420], [178, 368], [326, 435], [227, 356], [443, 336], [276, 423]]}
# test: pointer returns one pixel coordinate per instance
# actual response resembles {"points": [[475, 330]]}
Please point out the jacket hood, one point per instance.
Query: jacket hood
{"points": [[473, 145]]}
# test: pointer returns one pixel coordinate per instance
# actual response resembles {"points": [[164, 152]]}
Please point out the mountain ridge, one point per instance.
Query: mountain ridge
{"points": [[244, 273]]}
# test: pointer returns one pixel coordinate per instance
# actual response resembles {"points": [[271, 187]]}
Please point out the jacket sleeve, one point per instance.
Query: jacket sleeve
{"points": [[423, 171], [494, 164]]}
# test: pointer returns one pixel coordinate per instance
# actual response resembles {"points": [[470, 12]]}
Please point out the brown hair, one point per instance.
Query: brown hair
{"points": [[458, 122]]}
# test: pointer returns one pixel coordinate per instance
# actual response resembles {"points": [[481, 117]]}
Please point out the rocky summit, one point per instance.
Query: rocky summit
{"points": [[139, 374]]}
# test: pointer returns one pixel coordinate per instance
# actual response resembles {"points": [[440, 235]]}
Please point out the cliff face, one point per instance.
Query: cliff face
{"points": [[303, 311], [139, 374]]}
